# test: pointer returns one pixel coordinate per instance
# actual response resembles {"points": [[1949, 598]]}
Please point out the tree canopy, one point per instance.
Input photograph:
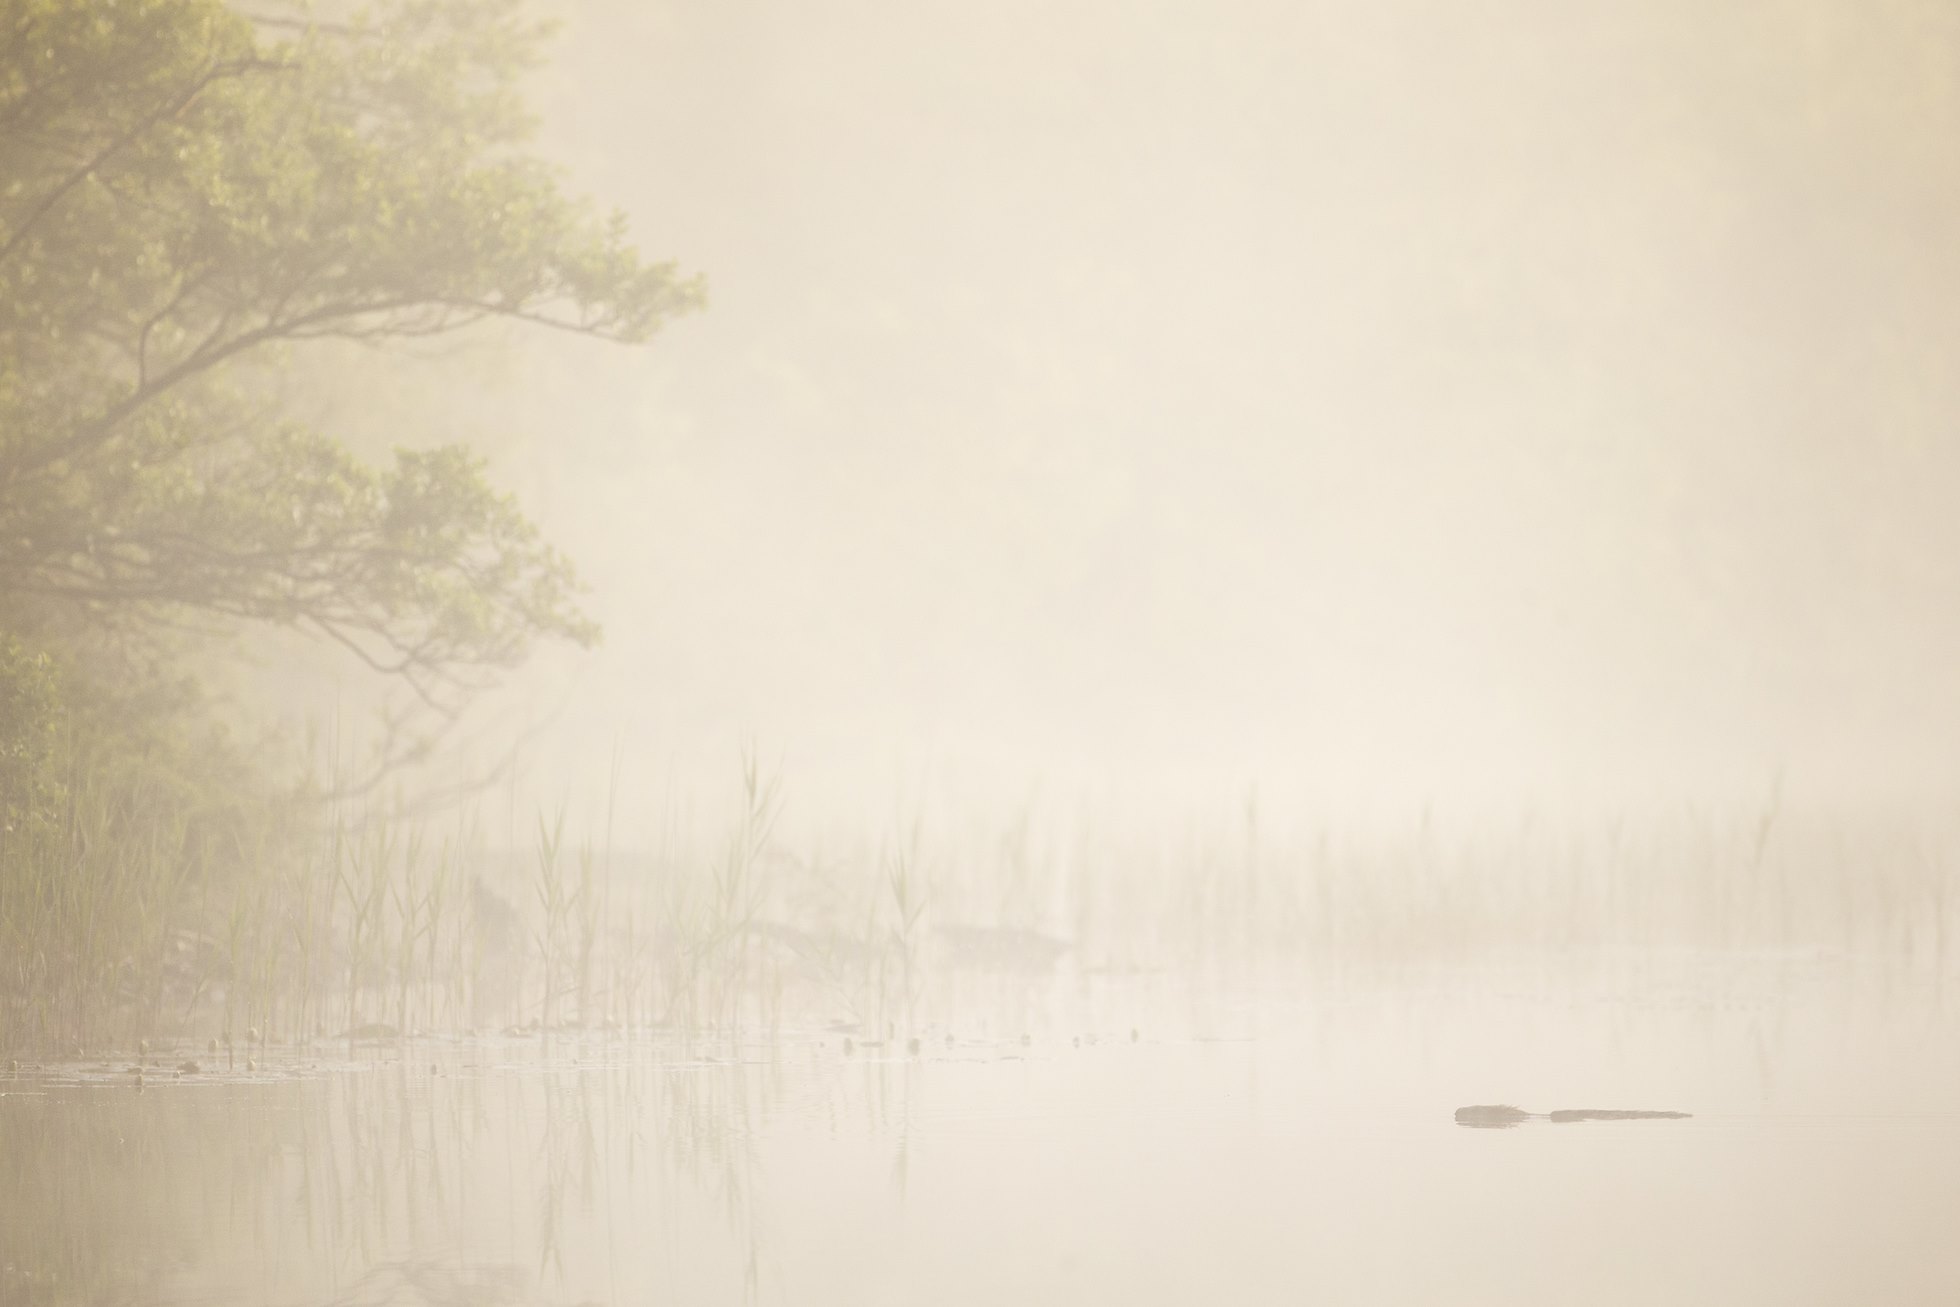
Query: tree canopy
{"points": [[188, 193]]}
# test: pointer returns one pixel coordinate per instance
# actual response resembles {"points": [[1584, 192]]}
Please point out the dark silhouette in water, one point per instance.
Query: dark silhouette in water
{"points": [[1502, 1116]]}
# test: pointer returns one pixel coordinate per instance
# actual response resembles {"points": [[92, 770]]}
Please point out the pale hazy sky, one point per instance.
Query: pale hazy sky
{"points": [[1370, 398]]}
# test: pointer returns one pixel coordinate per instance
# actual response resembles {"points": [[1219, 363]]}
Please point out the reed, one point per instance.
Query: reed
{"points": [[140, 910]]}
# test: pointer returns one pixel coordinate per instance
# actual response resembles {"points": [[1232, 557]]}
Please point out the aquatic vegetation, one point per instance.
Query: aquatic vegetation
{"points": [[127, 929]]}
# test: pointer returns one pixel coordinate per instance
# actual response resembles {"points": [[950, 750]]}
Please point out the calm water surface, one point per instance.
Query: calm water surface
{"points": [[1283, 1141]]}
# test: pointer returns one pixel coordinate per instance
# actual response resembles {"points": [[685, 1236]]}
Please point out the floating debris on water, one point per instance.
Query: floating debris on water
{"points": [[381, 1030]]}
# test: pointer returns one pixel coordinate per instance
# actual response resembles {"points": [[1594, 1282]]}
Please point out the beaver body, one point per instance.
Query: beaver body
{"points": [[1501, 1116]]}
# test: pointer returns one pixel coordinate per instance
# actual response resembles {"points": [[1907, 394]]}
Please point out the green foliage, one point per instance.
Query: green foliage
{"points": [[189, 197], [186, 195], [29, 732], [128, 813]]}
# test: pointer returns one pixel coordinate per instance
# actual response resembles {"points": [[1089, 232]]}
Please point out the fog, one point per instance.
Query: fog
{"points": [[1376, 403], [1254, 651]]}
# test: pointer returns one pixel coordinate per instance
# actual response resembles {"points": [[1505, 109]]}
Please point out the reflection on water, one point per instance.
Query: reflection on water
{"points": [[1284, 1141]]}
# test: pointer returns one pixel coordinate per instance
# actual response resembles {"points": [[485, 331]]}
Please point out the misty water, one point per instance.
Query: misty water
{"points": [[1158, 1137], [1275, 572]]}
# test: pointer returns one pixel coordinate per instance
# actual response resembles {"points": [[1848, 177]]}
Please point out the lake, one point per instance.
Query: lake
{"points": [[1161, 1137]]}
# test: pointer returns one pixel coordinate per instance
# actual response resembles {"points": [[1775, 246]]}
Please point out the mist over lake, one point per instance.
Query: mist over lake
{"points": [[1050, 653]]}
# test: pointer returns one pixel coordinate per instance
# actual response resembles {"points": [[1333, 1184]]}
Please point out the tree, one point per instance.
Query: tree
{"points": [[186, 195]]}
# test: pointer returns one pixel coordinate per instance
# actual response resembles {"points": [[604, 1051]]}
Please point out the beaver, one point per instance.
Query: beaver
{"points": [[1502, 1116]]}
